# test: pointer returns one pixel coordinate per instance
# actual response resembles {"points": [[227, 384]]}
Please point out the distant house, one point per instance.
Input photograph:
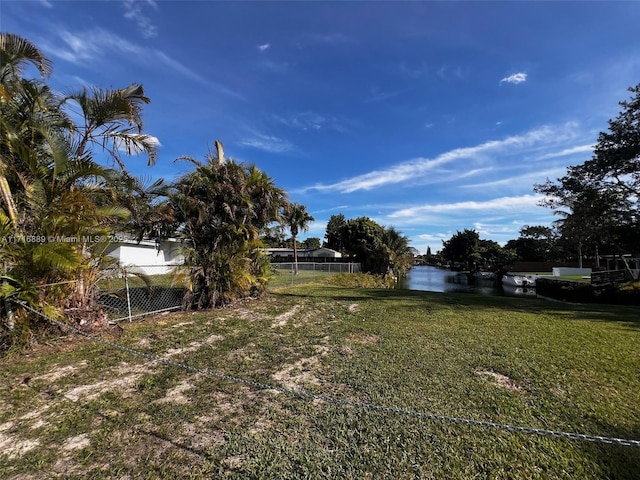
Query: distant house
{"points": [[304, 254], [149, 256]]}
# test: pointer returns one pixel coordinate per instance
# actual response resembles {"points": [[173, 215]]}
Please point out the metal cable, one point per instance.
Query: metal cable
{"points": [[343, 401]]}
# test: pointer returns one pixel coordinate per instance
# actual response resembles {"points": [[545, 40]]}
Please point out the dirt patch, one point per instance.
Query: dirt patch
{"points": [[193, 346], [181, 324], [500, 380], [177, 393], [35, 414], [281, 320], [60, 372], [300, 373], [76, 443], [193, 436], [363, 339], [213, 339], [12, 446], [345, 350], [354, 307], [39, 424], [233, 462], [125, 383]]}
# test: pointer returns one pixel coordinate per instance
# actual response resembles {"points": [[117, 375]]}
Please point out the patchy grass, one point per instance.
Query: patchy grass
{"points": [[80, 409]]}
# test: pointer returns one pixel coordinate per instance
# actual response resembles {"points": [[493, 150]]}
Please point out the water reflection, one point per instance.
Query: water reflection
{"points": [[433, 279]]}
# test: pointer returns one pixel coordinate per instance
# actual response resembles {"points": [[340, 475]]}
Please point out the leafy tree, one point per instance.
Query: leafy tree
{"points": [[599, 199], [615, 166], [493, 257], [273, 236], [362, 238], [297, 219], [334, 233], [379, 250], [312, 243], [462, 250], [536, 243], [467, 251]]}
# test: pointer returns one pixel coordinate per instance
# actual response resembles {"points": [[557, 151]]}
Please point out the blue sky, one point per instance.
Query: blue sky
{"points": [[431, 117]]}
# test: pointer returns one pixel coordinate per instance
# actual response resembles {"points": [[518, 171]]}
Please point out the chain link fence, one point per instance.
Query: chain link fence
{"points": [[127, 292], [285, 273]]}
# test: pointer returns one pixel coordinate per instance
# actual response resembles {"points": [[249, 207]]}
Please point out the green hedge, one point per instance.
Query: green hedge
{"points": [[587, 293]]}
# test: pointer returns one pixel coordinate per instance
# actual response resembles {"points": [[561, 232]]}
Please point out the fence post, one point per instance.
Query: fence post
{"points": [[126, 285]]}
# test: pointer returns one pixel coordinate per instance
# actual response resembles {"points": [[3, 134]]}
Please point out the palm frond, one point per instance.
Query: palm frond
{"points": [[15, 52]]}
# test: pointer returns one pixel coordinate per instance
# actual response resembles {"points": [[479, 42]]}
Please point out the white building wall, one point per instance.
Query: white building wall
{"points": [[147, 257]]}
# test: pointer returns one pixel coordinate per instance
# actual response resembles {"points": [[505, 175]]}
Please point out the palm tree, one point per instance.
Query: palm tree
{"points": [[397, 252], [50, 184], [22, 103], [297, 218], [113, 121], [221, 208], [16, 53]]}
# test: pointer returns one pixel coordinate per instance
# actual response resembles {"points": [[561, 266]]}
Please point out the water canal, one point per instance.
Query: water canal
{"points": [[433, 279]]}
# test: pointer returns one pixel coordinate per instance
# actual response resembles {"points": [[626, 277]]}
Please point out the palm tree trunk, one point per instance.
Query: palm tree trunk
{"points": [[295, 254], [579, 254], [8, 200]]}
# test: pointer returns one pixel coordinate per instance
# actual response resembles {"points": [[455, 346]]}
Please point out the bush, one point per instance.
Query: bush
{"points": [[622, 294]]}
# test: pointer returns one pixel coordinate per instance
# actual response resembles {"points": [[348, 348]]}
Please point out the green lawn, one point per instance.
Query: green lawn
{"points": [[75, 408]]}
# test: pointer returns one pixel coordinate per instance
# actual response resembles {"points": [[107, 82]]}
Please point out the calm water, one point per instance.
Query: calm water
{"points": [[434, 279]]}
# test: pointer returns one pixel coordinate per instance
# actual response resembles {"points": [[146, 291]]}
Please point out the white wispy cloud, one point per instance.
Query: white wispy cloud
{"points": [[422, 169], [263, 47], [46, 3], [517, 203], [92, 46], [268, 143], [516, 78], [518, 181], [339, 208], [134, 12], [436, 236], [312, 121], [569, 151]]}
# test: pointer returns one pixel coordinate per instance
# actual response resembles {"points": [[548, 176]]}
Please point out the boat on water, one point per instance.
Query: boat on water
{"points": [[520, 280], [512, 290]]}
